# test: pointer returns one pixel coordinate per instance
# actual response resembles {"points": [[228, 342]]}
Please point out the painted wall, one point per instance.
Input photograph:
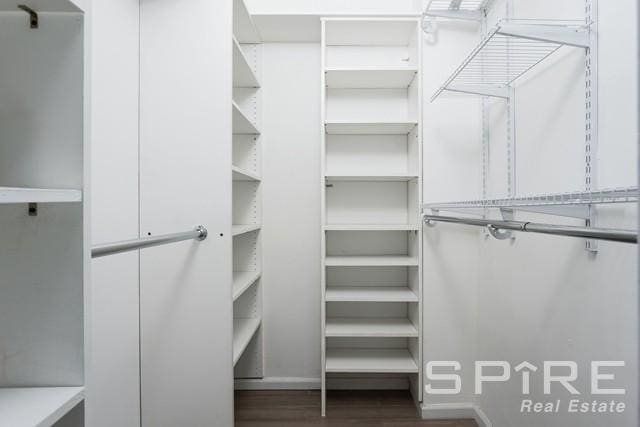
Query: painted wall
{"points": [[538, 298], [291, 211], [302, 7], [113, 376]]}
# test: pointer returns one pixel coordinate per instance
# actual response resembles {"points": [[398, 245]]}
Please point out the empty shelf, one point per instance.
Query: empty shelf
{"points": [[241, 123], [370, 327], [510, 50], [371, 178], [382, 361], [369, 78], [237, 230], [372, 227], [243, 74], [243, 175], [371, 261], [243, 330], [242, 280], [10, 195], [243, 27], [37, 406], [369, 128], [370, 294]]}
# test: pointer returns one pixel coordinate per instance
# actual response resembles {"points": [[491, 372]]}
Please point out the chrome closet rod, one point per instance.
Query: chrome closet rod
{"points": [[198, 233], [614, 235]]}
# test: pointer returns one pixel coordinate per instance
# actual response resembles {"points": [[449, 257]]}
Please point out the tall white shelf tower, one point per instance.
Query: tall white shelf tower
{"points": [[371, 188], [246, 169]]}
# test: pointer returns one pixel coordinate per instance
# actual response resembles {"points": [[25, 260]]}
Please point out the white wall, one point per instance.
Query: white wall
{"points": [[540, 298], [291, 210], [113, 377], [301, 7]]}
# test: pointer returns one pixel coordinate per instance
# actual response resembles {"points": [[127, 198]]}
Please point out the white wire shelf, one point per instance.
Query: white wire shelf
{"points": [[570, 204], [458, 9], [509, 51]]}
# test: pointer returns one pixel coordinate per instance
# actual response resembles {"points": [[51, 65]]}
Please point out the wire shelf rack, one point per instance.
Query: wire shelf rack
{"points": [[457, 9], [509, 51], [571, 204]]}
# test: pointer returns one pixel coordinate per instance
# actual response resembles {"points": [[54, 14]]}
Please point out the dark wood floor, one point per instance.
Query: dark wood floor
{"points": [[344, 408]]}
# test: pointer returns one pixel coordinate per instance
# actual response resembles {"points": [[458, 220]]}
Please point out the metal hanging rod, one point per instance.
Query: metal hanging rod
{"points": [[613, 235], [199, 233]]}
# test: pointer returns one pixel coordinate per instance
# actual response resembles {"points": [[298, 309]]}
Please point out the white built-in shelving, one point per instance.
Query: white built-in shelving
{"points": [[242, 123], [242, 280], [373, 361], [371, 261], [44, 218], [369, 78], [37, 406], [371, 185], [370, 294], [243, 73], [370, 327], [244, 330], [246, 286], [345, 127], [12, 195]]}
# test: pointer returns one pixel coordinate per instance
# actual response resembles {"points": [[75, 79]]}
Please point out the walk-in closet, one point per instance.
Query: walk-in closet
{"points": [[261, 213]]}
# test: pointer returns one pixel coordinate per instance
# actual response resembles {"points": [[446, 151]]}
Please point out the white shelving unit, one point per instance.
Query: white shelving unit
{"points": [[39, 406], [246, 287], [458, 9], [44, 220], [371, 188], [12, 195]]}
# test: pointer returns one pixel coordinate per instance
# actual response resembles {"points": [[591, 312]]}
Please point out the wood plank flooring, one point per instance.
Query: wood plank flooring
{"points": [[344, 408]]}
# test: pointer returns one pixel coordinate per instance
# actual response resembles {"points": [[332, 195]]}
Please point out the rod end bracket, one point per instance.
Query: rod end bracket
{"points": [[202, 232]]}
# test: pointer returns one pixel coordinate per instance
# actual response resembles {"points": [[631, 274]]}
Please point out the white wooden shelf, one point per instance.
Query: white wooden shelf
{"points": [[237, 230], [56, 6], [369, 78], [244, 175], [37, 406], [243, 330], [371, 178], [372, 227], [243, 74], [243, 27], [374, 361], [370, 327], [370, 294], [241, 123], [371, 261], [10, 195], [242, 280], [369, 128]]}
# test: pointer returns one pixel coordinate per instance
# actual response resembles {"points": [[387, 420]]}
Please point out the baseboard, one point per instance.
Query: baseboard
{"points": [[448, 411], [278, 383], [346, 383]]}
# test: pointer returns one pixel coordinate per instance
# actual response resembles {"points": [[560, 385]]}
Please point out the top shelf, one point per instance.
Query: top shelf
{"points": [[58, 6], [243, 27], [458, 9], [509, 51], [11, 195]]}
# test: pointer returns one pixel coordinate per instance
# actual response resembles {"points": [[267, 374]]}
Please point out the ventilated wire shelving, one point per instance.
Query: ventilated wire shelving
{"points": [[509, 51], [457, 9]]}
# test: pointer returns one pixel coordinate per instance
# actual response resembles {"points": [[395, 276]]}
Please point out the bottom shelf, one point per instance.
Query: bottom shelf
{"points": [[243, 330], [37, 406], [371, 361]]}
